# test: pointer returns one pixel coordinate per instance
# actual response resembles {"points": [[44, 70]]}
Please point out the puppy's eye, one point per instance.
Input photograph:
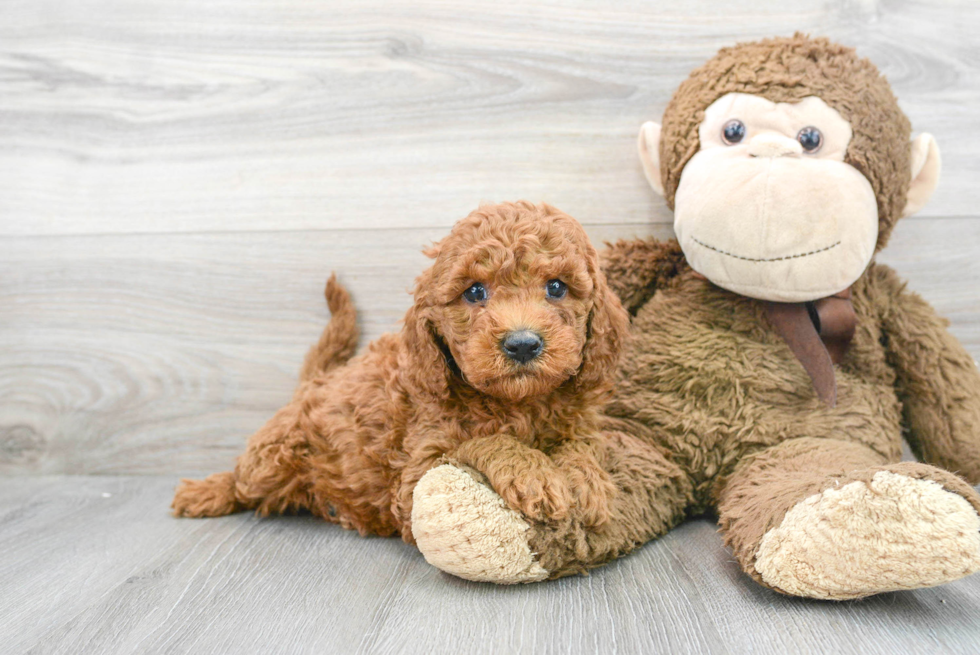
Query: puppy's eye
{"points": [[476, 293], [733, 132], [810, 138], [556, 289]]}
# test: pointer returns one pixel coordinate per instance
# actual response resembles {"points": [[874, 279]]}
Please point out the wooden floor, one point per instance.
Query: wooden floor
{"points": [[177, 180], [93, 564]]}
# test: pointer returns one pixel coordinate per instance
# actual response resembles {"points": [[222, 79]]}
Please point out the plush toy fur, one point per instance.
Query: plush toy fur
{"points": [[713, 412], [736, 412]]}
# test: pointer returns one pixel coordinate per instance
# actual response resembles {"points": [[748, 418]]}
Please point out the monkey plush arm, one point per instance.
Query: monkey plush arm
{"points": [[636, 269], [937, 380]]}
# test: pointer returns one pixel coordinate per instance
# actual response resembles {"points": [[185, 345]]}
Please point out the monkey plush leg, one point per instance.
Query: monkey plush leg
{"points": [[465, 528], [212, 496], [829, 519]]}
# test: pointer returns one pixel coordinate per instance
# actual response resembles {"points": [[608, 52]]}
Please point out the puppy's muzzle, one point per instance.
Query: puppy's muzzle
{"points": [[522, 346]]}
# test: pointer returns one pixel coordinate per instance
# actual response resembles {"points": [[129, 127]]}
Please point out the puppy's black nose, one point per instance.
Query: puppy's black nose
{"points": [[522, 346]]}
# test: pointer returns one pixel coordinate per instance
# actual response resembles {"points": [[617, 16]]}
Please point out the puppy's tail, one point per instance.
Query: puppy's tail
{"points": [[339, 339]]}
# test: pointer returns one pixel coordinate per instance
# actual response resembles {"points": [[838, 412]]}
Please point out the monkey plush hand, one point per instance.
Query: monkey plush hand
{"points": [[773, 361]]}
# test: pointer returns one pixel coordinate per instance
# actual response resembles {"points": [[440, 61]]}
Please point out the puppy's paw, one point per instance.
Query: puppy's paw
{"points": [[213, 496], [464, 528], [592, 492], [539, 493], [893, 532]]}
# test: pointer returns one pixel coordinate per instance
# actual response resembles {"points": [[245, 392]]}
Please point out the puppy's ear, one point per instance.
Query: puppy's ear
{"points": [[608, 328], [428, 362]]}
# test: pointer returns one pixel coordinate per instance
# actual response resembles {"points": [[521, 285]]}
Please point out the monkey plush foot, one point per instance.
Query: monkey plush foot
{"points": [[464, 528], [892, 532]]}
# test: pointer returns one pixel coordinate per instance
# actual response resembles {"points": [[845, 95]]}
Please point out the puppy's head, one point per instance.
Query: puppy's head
{"points": [[515, 306]]}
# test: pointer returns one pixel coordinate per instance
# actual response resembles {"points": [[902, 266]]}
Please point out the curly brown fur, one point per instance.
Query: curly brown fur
{"points": [[788, 70], [652, 496], [355, 440]]}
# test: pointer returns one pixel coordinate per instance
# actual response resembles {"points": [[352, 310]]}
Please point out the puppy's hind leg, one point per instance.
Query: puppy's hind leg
{"points": [[272, 475], [212, 496]]}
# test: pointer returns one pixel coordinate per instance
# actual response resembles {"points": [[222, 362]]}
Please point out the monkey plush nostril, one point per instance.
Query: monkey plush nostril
{"points": [[774, 145], [521, 346]]}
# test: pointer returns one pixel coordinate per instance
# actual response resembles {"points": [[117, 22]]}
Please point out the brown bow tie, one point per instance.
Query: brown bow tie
{"points": [[819, 334]]}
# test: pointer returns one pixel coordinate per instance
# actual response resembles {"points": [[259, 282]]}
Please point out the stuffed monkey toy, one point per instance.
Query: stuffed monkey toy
{"points": [[774, 366]]}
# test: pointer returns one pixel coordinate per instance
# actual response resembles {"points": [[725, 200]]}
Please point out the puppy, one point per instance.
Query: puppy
{"points": [[501, 365]]}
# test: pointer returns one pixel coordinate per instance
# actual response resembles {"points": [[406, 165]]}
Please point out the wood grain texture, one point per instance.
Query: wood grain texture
{"points": [[161, 354], [122, 116], [177, 179], [94, 564]]}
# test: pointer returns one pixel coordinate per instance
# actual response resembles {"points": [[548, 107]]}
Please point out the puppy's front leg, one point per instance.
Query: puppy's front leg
{"points": [[527, 479], [581, 461]]}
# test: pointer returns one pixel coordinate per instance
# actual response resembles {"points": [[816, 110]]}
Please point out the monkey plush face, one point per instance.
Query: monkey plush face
{"points": [[768, 208], [784, 187]]}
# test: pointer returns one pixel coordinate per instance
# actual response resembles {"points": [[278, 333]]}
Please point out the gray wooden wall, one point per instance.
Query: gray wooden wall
{"points": [[179, 177]]}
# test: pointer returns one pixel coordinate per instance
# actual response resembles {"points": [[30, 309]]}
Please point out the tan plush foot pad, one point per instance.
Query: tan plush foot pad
{"points": [[854, 541], [464, 528]]}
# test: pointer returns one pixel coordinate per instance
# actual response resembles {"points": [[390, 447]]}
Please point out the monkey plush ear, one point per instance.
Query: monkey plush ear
{"points": [[926, 165], [649, 146]]}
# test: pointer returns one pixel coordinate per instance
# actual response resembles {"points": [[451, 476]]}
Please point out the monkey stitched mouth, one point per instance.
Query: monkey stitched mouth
{"points": [[772, 259]]}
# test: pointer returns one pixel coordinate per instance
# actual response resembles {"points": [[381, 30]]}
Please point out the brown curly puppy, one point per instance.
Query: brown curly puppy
{"points": [[501, 365]]}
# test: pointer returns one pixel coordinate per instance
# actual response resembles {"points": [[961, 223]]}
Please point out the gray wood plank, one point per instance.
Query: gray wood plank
{"points": [[84, 573], [157, 354], [176, 180], [121, 116], [162, 353]]}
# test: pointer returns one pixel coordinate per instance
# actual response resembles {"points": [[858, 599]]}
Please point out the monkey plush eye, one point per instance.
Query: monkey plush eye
{"points": [[556, 289], [810, 138], [733, 132], [476, 293]]}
